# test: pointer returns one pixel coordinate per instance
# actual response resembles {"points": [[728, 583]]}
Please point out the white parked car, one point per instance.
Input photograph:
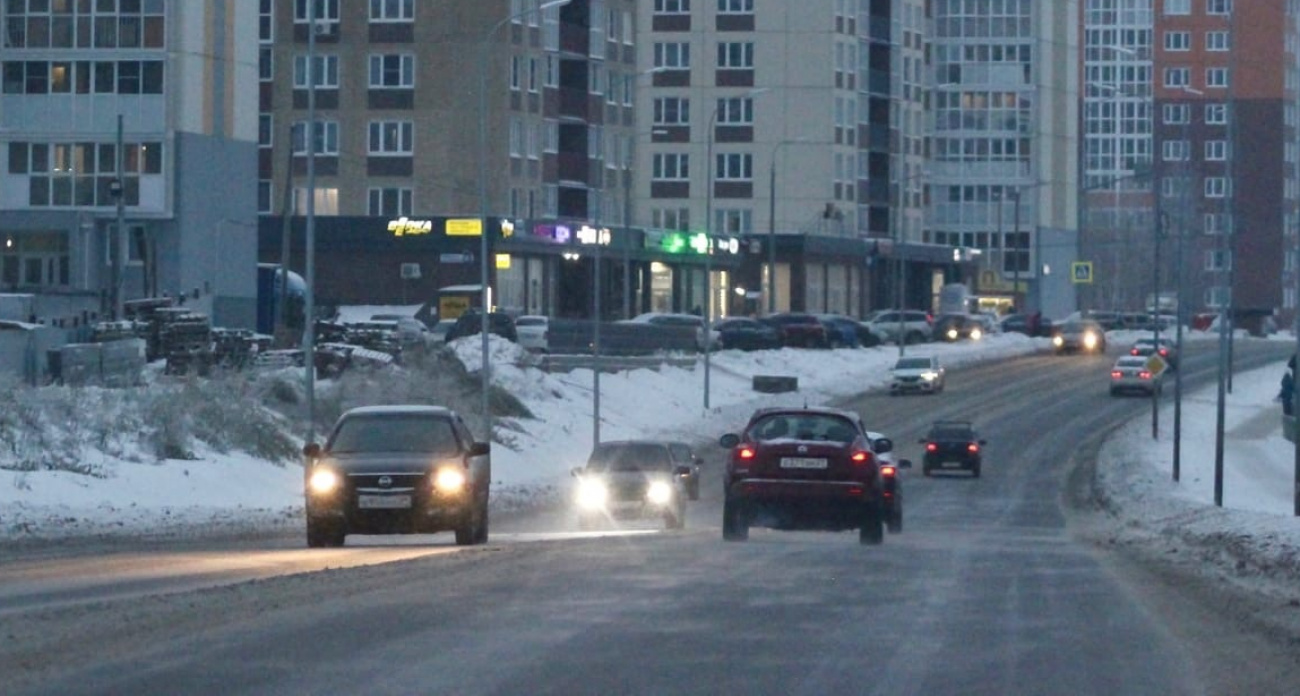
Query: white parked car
{"points": [[675, 319], [920, 373], [534, 332]]}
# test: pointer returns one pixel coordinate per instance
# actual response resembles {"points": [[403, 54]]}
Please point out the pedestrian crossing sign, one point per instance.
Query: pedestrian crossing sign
{"points": [[1081, 271]]}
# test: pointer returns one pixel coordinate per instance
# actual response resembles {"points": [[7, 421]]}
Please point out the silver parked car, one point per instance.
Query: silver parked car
{"points": [[534, 332], [917, 326], [921, 373], [1131, 374]]}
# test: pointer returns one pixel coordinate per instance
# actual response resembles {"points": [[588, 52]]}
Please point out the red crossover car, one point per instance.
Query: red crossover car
{"points": [[809, 468]]}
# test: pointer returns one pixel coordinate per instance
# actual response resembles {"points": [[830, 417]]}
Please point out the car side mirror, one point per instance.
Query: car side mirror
{"points": [[884, 445], [903, 463], [479, 449], [729, 440], [311, 450]]}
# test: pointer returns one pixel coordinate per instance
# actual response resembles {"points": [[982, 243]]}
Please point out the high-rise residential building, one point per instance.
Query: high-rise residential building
{"points": [[1004, 177], [911, 86], [1213, 121], [403, 92], [771, 120], [180, 79]]}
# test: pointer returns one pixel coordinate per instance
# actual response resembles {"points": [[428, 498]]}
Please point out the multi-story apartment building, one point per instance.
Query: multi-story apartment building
{"points": [[402, 94], [1004, 177], [180, 79], [1219, 137], [772, 121]]}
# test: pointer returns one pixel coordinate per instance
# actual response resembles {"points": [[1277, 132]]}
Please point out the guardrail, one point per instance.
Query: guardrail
{"points": [[612, 363]]}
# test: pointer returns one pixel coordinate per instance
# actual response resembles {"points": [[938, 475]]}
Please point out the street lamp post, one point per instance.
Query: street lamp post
{"points": [[1181, 292], [771, 223], [708, 242], [309, 247], [485, 372], [1015, 235]]}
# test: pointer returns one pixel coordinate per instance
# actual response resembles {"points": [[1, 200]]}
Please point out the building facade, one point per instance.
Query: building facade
{"points": [[180, 79]]}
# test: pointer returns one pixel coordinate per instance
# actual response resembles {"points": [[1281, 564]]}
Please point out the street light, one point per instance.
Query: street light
{"points": [[485, 53], [771, 223], [708, 242]]}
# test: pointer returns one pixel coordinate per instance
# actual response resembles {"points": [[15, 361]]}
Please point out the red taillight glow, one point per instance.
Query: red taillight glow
{"points": [[745, 453], [1144, 375], [931, 447], [1116, 374], [860, 457], [1164, 351], [1133, 351], [973, 447], [888, 471]]}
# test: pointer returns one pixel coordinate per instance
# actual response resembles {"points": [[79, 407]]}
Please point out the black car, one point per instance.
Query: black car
{"points": [[1079, 336], [844, 332], [683, 455], [632, 479], [471, 324], [809, 468], [397, 470], [1022, 323], [953, 327], [744, 333], [952, 445], [799, 330]]}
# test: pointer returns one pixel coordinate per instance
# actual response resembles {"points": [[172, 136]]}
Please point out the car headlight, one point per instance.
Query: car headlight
{"points": [[323, 481], [1090, 340], [952, 334], [975, 334], [1058, 341], [592, 494], [929, 376], [659, 493], [449, 480]]}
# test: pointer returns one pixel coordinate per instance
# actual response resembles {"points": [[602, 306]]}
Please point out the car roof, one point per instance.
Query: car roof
{"points": [[808, 410], [398, 409]]}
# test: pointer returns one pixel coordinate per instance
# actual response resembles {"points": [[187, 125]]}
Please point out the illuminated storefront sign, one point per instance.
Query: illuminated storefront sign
{"points": [[464, 227], [698, 243], [406, 227], [560, 234], [591, 235]]}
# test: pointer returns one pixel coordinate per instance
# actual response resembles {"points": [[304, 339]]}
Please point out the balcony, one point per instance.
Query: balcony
{"points": [[571, 166], [573, 103]]}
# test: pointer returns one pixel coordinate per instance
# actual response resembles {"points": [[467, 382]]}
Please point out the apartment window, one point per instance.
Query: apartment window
{"points": [[1216, 41], [392, 138], [83, 77], [265, 130], [1177, 113], [735, 6], [1216, 77], [736, 54], [392, 10], [672, 6], [1216, 114], [1216, 187], [326, 10], [734, 166], [670, 54], [1217, 223], [516, 138], [532, 75], [265, 21], [81, 174], [672, 111], [1175, 150], [326, 140], [1218, 260], [392, 71], [552, 70], [671, 166], [516, 73], [734, 221], [1216, 150], [1218, 7], [325, 74], [1178, 41], [671, 218], [1217, 296], [265, 64], [1178, 7], [389, 202], [264, 197], [736, 111], [1177, 77]]}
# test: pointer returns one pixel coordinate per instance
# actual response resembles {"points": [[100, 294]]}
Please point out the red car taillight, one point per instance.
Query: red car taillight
{"points": [[888, 471], [1144, 375], [1134, 351], [973, 447], [860, 457], [1164, 352], [931, 447], [745, 453], [1116, 374]]}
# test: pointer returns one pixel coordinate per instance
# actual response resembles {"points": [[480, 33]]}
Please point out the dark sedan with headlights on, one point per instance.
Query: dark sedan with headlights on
{"points": [[397, 470], [634, 479], [1079, 336]]}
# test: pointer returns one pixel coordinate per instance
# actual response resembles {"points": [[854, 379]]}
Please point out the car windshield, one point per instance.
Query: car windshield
{"points": [[386, 432], [630, 457], [804, 426], [952, 432], [530, 321], [912, 364]]}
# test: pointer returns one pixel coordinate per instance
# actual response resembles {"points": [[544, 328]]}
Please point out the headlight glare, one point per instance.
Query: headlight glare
{"points": [[659, 493], [1090, 340], [952, 334], [929, 376], [975, 334], [323, 481], [592, 494], [449, 480]]}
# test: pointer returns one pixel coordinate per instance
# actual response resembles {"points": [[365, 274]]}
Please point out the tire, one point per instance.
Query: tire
{"points": [[694, 492], [466, 532], [322, 535], [872, 531], [925, 471], [895, 523], [735, 521], [481, 533], [975, 473]]}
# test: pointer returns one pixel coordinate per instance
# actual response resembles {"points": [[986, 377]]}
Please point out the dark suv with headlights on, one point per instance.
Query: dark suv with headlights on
{"points": [[397, 470], [952, 445], [805, 468], [1079, 336], [633, 479]]}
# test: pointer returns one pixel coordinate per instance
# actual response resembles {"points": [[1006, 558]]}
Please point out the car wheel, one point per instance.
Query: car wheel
{"points": [[735, 521], [481, 532], [975, 473], [926, 470], [467, 530], [694, 492], [321, 534], [895, 523], [872, 531]]}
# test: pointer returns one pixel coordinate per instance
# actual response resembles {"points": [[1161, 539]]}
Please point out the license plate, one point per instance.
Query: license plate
{"points": [[952, 465], [802, 463], [384, 502]]}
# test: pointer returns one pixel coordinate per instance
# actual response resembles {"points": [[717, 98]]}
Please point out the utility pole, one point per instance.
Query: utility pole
{"points": [[118, 191], [1155, 321]]}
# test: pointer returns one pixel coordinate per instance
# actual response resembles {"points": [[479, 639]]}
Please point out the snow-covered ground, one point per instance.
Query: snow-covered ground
{"points": [[1254, 530]]}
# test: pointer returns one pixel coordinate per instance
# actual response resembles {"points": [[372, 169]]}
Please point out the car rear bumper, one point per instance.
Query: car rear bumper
{"points": [[777, 490]]}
